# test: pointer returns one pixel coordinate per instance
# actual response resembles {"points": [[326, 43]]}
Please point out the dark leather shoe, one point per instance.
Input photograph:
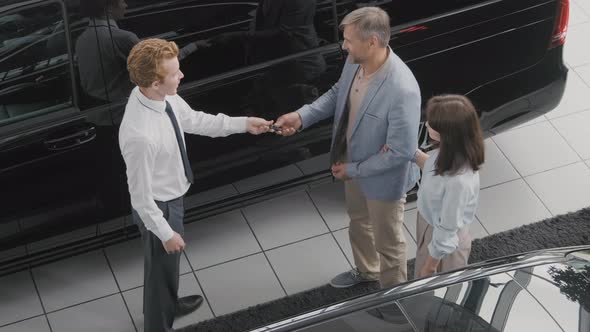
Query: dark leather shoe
{"points": [[188, 304]]}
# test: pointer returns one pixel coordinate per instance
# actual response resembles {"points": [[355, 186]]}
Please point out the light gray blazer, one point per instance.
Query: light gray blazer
{"points": [[389, 114]]}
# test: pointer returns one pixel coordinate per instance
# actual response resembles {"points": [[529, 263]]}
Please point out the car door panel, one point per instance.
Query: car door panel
{"points": [[54, 156]]}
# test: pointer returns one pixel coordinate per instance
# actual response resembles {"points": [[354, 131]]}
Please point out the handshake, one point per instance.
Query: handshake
{"points": [[286, 125]]}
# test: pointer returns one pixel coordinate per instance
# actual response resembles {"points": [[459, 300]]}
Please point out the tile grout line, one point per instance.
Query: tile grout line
{"points": [[532, 174], [526, 124], [553, 169], [581, 64], [254, 254], [500, 183], [263, 252], [81, 303], [23, 320], [574, 69], [547, 119], [412, 236], [537, 195], [194, 273], [523, 178], [507, 159], [482, 225], [328, 227], [491, 187], [119, 288], [225, 262], [587, 84], [583, 11], [566, 141], [299, 168], [233, 185], [40, 299], [32, 276]]}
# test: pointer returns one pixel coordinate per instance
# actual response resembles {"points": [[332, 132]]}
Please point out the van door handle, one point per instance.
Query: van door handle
{"points": [[69, 141]]}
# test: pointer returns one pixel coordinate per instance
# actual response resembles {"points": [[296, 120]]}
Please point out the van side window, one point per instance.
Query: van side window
{"points": [[217, 37], [34, 63]]}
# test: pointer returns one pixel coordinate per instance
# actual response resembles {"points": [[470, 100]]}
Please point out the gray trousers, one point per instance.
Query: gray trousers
{"points": [[161, 270]]}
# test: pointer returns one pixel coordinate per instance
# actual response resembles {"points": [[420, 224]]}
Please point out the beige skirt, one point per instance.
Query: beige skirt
{"points": [[455, 260]]}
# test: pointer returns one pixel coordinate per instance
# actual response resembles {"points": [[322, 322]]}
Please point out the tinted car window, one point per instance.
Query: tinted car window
{"points": [[497, 303], [232, 35], [563, 290], [402, 11], [34, 63]]}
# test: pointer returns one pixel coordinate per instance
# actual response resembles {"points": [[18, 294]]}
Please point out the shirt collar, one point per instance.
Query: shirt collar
{"points": [[383, 68], [155, 105]]}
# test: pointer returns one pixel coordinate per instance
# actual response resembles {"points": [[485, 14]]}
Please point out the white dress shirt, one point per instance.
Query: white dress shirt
{"points": [[448, 203], [149, 147]]}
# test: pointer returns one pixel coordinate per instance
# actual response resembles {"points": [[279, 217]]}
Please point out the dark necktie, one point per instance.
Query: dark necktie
{"points": [[339, 149], [187, 166]]}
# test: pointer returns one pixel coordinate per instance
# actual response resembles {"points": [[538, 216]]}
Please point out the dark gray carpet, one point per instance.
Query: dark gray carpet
{"points": [[561, 231]]}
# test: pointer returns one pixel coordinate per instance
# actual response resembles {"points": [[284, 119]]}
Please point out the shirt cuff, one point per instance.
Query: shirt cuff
{"points": [[435, 253], [414, 157], [302, 116], [352, 170], [239, 124], [165, 233]]}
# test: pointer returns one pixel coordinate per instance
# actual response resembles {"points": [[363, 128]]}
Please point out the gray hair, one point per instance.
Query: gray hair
{"points": [[369, 21]]}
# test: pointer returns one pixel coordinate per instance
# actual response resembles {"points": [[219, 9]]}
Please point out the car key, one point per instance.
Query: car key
{"points": [[275, 128]]}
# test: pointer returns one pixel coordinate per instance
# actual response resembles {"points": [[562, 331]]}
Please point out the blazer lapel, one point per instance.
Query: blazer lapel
{"points": [[343, 92], [372, 90]]}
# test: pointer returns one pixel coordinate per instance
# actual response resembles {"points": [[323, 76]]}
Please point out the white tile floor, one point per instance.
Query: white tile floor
{"points": [[300, 240]]}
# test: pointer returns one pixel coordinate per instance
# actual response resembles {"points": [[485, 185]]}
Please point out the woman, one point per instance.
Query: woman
{"points": [[448, 194]]}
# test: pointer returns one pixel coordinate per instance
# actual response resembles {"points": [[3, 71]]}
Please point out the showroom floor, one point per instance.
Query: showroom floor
{"points": [[299, 241]]}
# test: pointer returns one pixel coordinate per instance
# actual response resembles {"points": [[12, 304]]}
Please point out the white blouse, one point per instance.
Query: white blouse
{"points": [[448, 203]]}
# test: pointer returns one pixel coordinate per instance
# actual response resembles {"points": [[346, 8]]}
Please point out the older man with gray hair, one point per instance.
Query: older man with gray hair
{"points": [[376, 108]]}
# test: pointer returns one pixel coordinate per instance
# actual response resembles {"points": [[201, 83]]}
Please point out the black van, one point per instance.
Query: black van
{"points": [[63, 88]]}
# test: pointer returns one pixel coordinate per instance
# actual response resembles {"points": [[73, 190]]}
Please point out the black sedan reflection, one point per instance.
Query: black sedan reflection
{"points": [[542, 291]]}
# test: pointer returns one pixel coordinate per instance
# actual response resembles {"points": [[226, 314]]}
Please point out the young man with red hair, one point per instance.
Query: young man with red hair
{"points": [[151, 138]]}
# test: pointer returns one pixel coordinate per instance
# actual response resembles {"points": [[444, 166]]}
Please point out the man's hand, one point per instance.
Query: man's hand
{"points": [[339, 171], [429, 267], [289, 124], [175, 244], [257, 126]]}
